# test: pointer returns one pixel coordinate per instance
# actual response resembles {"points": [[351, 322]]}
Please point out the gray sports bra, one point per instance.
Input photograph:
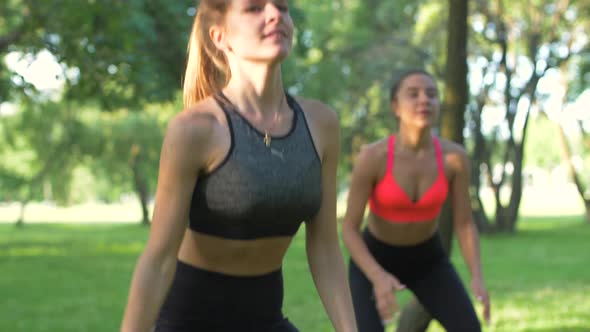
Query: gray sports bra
{"points": [[259, 191]]}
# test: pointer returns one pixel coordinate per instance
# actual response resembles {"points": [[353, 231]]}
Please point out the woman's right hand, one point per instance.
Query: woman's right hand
{"points": [[383, 287]]}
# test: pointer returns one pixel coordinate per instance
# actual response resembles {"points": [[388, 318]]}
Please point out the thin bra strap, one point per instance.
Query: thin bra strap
{"points": [[439, 159], [390, 148]]}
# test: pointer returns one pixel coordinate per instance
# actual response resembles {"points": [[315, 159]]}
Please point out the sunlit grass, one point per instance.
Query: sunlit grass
{"points": [[66, 277], [539, 278]]}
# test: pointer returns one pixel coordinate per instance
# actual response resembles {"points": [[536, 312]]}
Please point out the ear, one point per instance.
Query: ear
{"points": [[217, 35]]}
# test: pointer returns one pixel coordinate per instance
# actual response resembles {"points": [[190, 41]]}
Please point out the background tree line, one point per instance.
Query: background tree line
{"points": [[97, 135]]}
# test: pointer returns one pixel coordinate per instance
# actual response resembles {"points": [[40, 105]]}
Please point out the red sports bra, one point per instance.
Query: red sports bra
{"points": [[391, 203]]}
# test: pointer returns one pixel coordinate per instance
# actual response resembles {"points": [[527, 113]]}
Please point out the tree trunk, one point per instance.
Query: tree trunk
{"points": [[456, 90], [567, 156], [477, 159], [20, 222], [36, 180], [517, 187], [142, 195], [139, 182], [141, 189], [507, 215], [414, 318], [516, 190], [479, 214]]}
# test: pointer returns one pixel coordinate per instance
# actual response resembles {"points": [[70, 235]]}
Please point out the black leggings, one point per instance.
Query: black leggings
{"points": [[426, 271], [201, 300]]}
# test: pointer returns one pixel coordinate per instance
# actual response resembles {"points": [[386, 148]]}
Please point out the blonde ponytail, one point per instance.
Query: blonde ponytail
{"points": [[207, 71]]}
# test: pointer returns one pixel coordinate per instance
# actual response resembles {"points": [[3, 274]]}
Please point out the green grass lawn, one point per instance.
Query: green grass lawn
{"points": [[66, 278]]}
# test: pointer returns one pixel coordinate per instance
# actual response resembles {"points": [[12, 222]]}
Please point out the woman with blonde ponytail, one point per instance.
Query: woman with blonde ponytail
{"points": [[240, 169], [207, 70]]}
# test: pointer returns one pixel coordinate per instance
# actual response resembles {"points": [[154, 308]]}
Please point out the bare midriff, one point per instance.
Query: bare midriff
{"points": [[233, 257], [401, 233]]}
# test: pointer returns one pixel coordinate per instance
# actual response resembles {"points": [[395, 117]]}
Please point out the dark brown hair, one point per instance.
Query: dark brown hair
{"points": [[401, 78]]}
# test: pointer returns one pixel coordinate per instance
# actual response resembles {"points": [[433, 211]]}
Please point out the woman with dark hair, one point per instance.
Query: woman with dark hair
{"points": [[405, 178], [241, 167]]}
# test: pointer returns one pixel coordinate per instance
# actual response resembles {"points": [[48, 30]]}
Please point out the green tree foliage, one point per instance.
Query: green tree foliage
{"points": [[43, 144], [129, 153], [119, 56], [118, 53], [542, 148], [126, 57], [516, 44], [350, 60]]}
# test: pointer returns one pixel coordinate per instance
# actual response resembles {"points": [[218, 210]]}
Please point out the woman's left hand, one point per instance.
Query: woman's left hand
{"points": [[480, 292]]}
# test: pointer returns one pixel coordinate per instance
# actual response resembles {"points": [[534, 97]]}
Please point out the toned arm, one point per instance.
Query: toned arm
{"points": [[184, 153], [361, 183], [364, 175], [324, 256], [467, 233]]}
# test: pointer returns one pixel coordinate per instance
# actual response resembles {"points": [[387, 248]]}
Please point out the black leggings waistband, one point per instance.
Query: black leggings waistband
{"points": [[204, 300], [429, 243]]}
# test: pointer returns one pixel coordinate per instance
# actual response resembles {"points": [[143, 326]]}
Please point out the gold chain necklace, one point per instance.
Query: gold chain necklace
{"points": [[267, 138]]}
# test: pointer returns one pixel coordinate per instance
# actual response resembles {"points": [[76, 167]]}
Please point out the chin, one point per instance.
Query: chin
{"points": [[424, 124], [279, 52], [271, 57]]}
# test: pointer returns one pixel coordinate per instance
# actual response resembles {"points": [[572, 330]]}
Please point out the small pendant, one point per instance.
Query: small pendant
{"points": [[266, 139]]}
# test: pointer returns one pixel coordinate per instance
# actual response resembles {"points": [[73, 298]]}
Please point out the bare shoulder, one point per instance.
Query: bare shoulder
{"points": [[371, 157], [376, 150], [318, 113], [195, 123], [454, 154], [192, 130]]}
